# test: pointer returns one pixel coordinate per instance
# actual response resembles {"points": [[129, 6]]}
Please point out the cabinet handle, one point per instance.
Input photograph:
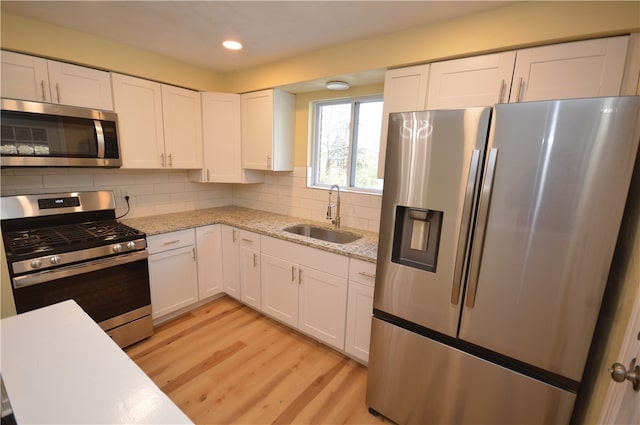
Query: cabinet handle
{"points": [[255, 260], [501, 91], [171, 242], [170, 160], [208, 178], [520, 84], [44, 95], [269, 165], [247, 240], [369, 275], [300, 275], [162, 159], [58, 92], [234, 235], [194, 254], [293, 274]]}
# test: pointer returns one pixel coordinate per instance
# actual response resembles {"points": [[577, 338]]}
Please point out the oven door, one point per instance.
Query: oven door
{"points": [[112, 291]]}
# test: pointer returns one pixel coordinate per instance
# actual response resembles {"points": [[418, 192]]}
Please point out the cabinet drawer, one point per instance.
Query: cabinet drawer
{"points": [[362, 272], [172, 240], [249, 240]]}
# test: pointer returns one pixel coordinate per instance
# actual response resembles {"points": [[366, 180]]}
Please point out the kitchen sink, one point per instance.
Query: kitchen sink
{"points": [[321, 233]]}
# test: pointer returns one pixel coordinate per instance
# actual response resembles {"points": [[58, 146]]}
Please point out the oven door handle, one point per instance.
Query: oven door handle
{"points": [[76, 269]]}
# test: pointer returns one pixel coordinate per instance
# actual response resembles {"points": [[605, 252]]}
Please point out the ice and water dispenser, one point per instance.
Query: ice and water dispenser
{"points": [[416, 238]]}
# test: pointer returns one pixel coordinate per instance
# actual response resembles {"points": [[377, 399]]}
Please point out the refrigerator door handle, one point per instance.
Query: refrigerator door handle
{"points": [[483, 215], [463, 238]]}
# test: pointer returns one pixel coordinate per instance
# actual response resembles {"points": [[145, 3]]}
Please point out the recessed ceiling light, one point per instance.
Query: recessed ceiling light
{"points": [[232, 45], [337, 85]]}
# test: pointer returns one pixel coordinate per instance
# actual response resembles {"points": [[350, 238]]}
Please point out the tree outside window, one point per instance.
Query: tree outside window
{"points": [[346, 143]]}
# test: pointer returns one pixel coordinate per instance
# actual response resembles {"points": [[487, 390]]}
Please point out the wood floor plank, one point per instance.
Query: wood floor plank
{"points": [[225, 363]]}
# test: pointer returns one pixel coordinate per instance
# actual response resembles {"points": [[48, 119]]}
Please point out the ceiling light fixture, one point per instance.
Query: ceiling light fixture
{"points": [[337, 85], [232, 45]]}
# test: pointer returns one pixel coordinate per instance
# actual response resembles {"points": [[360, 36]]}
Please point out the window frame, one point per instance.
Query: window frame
{"points": [[355, 102]]}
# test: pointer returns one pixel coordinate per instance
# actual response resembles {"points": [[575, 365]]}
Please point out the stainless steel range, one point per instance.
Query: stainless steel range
{"points": [[64, 246]]}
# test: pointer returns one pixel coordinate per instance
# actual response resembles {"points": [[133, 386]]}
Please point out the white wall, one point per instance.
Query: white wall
{"points": [[287, 193], [151, 191], [164, 191]]}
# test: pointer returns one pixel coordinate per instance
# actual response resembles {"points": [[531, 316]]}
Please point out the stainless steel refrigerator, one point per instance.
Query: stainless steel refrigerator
{"points": [[498, 228]]}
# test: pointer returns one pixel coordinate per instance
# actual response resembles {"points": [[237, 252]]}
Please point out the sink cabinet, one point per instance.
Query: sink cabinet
{"points": [[305, 288]]}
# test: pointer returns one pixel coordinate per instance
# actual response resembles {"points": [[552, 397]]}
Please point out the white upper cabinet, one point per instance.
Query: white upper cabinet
{"points": [[268, 119], [222, 146], [138, 103], [475, 81], [31, 78], [160, 126], [405, 89], [570, 70], [182, 118]]}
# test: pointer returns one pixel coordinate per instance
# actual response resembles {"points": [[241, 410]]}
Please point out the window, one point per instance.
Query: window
{"points": [[346, 140]]}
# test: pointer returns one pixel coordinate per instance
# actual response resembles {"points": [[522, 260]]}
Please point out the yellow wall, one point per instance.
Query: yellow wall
{"points": [[506, 28], [41, 39], [513, 26], [303, 118]]}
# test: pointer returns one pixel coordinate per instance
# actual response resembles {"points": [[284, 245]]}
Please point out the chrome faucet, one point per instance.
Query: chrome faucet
{"points": [[334, 220]]}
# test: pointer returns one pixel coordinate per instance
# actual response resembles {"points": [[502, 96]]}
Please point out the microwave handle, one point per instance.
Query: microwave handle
{"points": [[99, 137]]}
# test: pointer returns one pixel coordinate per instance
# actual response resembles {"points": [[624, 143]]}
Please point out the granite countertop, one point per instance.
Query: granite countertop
{"points": [[264, 223]]}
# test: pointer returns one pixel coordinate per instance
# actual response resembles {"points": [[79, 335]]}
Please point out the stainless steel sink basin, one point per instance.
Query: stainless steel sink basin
{"points": [[323, 234]]}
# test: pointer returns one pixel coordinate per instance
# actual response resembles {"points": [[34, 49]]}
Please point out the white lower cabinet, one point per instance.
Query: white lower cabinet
{"points": [[231, 261], [209, 258], [296, 291], [359, 309], [250, 291], [173, 276]]}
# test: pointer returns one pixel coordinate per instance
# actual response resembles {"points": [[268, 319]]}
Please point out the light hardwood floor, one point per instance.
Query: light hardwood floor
{"points": [[225, 363]]}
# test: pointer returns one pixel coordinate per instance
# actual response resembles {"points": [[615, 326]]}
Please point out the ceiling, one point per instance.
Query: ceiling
{"points": [[192, 31]]}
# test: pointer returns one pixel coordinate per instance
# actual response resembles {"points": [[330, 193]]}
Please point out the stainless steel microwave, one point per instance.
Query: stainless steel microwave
{"points": [[46, 135]]}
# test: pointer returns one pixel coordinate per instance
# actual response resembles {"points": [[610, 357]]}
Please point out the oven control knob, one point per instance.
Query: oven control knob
{"points": [[131, 245], [36, 264], [55, 260], [117, 248]]}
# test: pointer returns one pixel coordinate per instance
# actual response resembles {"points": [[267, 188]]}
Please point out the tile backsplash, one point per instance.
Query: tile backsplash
{"points": [[163, 191]]}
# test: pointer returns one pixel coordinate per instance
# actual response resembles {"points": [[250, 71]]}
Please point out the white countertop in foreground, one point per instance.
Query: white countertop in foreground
{"points": [[59, 367]]}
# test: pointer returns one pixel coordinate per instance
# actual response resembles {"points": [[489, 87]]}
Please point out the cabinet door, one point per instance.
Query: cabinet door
{"points": [[209, 254], [257, 130], [231, 262], [405, 89], [80, 86], [250, 277], [138, 104], [221, 142], [476, 81], [359, 314], [323, 306], [173, 280], [589, 68], [182, 117], [280, 289], [24, 77]]}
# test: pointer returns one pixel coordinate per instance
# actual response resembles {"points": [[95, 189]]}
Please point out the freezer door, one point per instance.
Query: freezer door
{"points": [[415, 380], [431, 175], [557, 176]]}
